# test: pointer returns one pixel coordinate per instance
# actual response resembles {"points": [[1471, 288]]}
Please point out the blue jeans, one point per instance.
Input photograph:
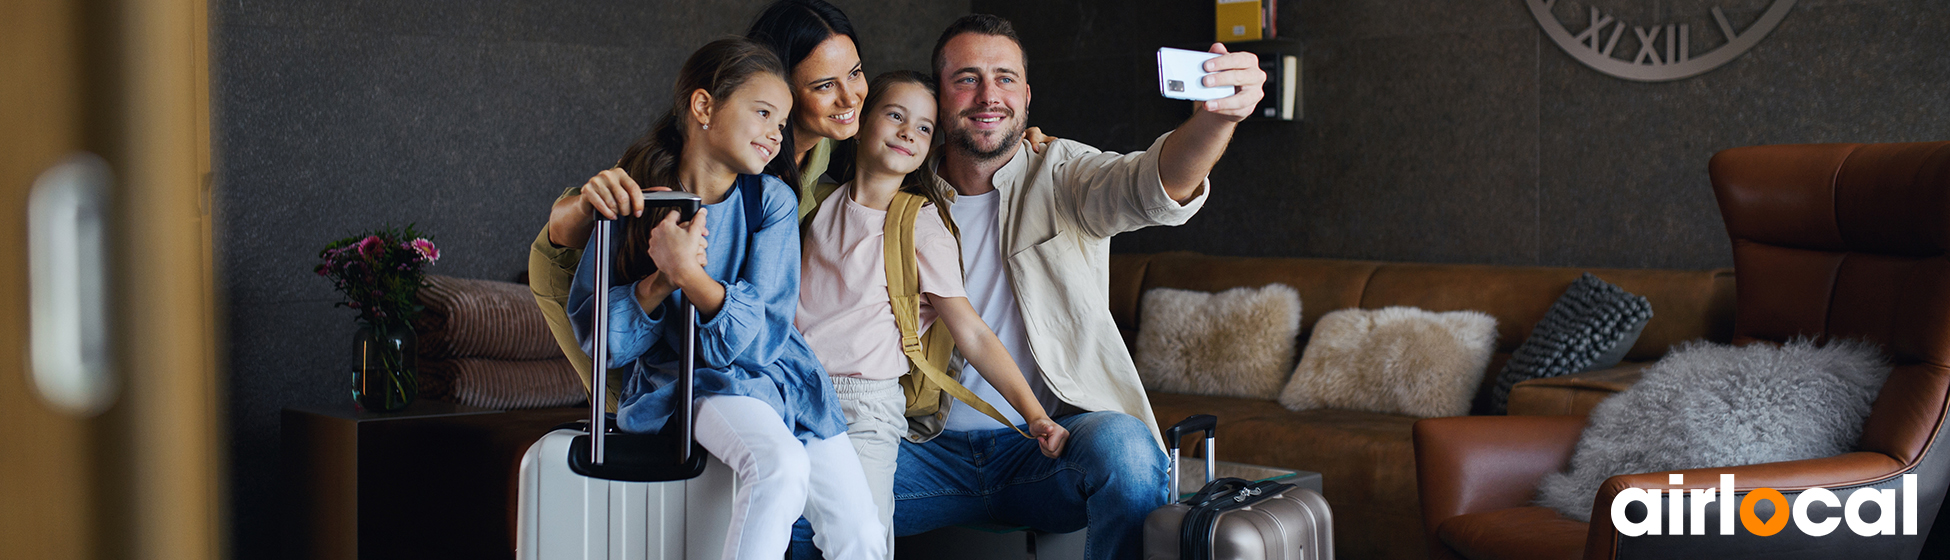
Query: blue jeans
{"points": [[1111, 475]]}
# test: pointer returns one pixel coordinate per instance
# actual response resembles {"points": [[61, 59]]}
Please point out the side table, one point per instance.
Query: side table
{"points": [[435, 480]]}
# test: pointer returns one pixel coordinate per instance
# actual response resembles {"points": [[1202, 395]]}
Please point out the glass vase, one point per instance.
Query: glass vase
{"points": [[383, 375]]}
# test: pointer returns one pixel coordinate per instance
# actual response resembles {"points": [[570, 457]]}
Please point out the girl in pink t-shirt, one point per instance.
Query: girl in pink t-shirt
{"points": [[843, 307]]}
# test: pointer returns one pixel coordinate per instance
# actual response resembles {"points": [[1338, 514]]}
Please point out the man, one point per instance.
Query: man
{"points": [[1036, 234]]}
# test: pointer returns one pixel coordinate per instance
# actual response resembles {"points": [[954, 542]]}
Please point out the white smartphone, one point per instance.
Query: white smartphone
{"points": [[1181, 73]]}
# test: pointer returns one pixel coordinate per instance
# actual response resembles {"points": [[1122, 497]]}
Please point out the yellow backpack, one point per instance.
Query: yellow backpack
{"points": [[927, 382]]}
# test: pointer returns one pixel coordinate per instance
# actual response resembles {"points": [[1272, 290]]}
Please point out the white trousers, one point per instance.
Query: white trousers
{"points": [[775, 484], [876, 419]]}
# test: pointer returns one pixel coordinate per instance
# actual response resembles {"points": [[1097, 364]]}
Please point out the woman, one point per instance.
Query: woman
{"points": [[817, 43]]}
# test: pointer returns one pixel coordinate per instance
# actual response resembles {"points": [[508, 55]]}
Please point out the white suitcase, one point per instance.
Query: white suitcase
{"points": [[567, 515], [615, 495]]}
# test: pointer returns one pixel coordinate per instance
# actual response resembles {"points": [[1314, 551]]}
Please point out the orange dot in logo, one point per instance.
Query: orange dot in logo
{"points": [[1752, 522]]}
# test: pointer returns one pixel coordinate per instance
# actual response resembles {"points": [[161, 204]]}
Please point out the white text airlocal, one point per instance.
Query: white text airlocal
{"points": [[1682, 522]]}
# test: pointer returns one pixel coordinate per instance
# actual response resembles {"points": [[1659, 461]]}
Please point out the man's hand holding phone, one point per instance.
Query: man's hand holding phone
{"points": [[1233, 85], [1237, 69]]}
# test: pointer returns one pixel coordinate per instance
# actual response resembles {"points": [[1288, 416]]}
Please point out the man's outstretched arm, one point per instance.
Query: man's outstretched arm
{"points": [[1190, 152]]}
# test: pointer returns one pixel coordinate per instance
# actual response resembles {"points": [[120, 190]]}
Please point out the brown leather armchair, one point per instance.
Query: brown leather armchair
{"points": [[1829, 241]]}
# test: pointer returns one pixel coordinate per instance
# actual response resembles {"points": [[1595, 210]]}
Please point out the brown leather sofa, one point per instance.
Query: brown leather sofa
{"points": [[1366, 459], [1832, 241]]}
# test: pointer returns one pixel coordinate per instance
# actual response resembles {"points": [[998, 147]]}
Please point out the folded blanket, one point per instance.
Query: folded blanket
{"points": [[502, 383], [482, 319]]}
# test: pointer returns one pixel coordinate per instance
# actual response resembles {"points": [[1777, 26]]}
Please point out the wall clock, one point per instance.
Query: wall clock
{"points": [[1664, 50]]}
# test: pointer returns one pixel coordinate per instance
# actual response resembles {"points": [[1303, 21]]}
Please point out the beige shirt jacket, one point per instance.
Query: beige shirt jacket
{"points": [[1058, 212]]}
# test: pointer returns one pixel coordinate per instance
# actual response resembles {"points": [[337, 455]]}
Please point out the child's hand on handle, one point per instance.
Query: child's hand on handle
{"points": [[1050, 436], [679, 249], [1237, 69], [612, 191]]}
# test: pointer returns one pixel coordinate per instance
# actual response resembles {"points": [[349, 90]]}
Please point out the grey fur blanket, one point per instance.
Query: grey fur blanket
{"points": [[1711, 405]]}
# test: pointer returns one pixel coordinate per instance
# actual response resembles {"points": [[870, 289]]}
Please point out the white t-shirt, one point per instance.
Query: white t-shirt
{"points": [[994, 298]]}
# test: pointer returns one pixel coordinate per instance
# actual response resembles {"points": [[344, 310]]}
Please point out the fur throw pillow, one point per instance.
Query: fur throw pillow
{"points": [[1235, 343], [1396, 360], [1712, 405]]}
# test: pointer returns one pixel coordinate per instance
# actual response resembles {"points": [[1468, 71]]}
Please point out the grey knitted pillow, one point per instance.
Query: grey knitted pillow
{"points": [[1590, 327], [1711, 405]]}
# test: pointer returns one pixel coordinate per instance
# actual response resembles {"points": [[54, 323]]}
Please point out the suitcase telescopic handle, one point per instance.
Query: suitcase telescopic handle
{"points": [[600, 239], [685, 386], [1195, 423]]}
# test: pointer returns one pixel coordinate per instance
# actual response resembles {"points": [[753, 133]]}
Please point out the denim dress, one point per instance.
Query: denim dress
{"points": [[749, 348]]}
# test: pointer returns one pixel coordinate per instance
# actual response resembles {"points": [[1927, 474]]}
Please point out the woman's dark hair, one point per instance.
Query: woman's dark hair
{"points": [[719, 68], [793, 29], [921, 181]]}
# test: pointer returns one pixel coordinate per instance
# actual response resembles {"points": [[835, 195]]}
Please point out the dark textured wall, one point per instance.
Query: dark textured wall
{"points": [[1457, 132], [1435, 131], [465, 117]]}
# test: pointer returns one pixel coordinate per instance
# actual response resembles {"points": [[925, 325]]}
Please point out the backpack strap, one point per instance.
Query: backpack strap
{"points": [[928, 352], [752, 190]]}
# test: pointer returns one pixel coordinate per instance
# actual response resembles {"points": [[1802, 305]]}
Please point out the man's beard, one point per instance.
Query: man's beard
{"points": [[965, 141]]}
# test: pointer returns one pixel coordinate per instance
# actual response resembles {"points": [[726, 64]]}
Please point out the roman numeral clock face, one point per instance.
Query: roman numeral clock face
{"points": [[1665, 50]]}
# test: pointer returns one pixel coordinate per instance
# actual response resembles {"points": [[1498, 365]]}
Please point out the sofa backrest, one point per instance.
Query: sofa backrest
{"points": [[1686, 304]]}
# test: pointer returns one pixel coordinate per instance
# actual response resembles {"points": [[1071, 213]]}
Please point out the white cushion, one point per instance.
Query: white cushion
{"points": [[1235, 343], [1395, 360]]}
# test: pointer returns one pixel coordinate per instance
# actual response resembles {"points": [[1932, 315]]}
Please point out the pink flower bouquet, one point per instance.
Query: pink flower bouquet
{"points": [[379, 272]]}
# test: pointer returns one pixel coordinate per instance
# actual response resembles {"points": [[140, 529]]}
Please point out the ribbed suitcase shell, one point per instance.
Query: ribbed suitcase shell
{"points": [[565, 515], [1293, 525]]}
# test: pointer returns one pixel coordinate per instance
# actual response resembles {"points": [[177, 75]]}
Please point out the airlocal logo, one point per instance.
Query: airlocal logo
{"points": [[1677, 520], [1649, 63]]}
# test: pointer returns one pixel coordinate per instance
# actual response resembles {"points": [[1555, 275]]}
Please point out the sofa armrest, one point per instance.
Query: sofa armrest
{"points": [[1572, 395], [1467, 464], [1837, 473]]}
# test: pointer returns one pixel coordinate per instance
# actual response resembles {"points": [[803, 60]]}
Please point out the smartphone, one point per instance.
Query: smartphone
{"points": [[1181, 73]]}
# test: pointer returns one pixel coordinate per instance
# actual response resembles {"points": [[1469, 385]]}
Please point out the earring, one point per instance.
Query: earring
{"points": [[705, 126]]}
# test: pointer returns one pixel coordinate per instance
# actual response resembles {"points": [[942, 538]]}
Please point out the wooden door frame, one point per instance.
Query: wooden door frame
{"points": [[127, 80], [42, 80]]}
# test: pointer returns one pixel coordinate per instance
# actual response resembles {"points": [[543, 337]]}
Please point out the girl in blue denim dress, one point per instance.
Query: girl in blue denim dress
{"points": [[765, 407]]}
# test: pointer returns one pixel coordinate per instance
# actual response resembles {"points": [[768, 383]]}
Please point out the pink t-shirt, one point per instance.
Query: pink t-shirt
{"points": [[843, 307]]}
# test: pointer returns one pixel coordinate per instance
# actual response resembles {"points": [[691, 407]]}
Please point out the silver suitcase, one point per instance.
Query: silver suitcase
{"points": [[611, 495], [1233, 518]]}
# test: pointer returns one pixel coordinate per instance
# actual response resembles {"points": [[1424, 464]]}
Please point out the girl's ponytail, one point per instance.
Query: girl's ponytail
{"points": [[652, 159], [652, 162]]}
